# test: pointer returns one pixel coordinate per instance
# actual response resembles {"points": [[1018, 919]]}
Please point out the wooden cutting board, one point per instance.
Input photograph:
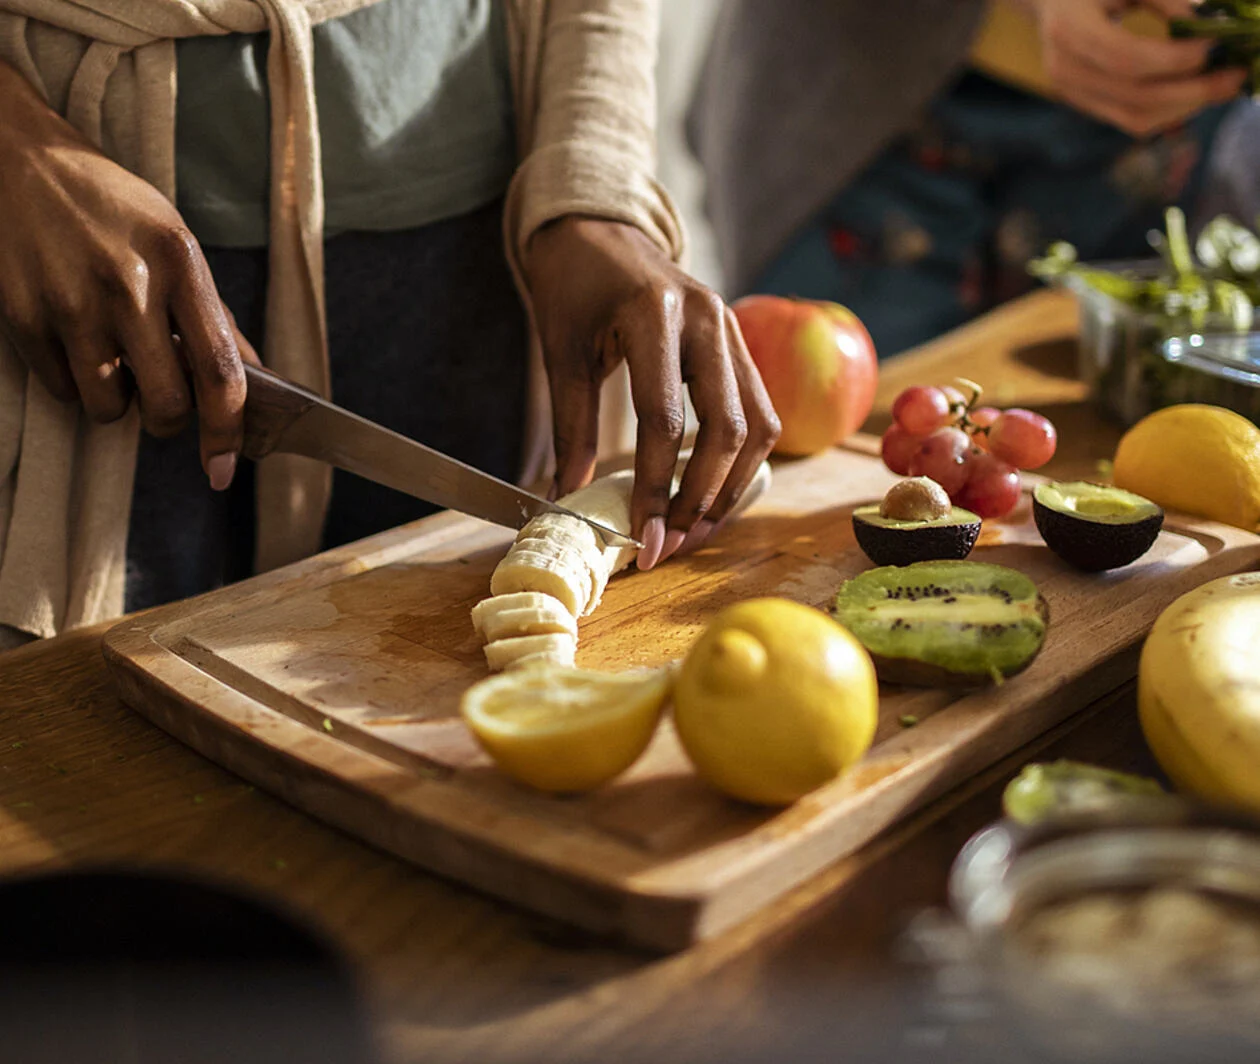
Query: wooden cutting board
{"points": [[335, 685]]}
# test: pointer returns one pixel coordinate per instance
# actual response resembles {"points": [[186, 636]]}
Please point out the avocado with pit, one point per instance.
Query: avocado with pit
{"points": [[1095, 527], [889, 541], [915, 522]]}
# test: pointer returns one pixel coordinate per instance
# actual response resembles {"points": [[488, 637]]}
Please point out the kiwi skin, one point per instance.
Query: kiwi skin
{"points": [[914, 673]]}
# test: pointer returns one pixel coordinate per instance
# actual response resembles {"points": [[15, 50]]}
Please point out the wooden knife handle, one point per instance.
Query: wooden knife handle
{"points": [[272, 404]]}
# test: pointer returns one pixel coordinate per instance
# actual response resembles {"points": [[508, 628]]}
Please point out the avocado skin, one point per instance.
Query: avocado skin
{"points": [[1092, 546], [904, 546]]}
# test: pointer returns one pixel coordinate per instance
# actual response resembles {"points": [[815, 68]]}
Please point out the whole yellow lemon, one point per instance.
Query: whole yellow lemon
{"points": [[1198, 459], [774, 700]]}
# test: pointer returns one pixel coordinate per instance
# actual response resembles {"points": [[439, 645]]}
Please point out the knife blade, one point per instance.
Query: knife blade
{"points": [[281, 416]]}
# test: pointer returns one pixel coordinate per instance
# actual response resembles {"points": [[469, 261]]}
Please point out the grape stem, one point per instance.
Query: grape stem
{"points": [[965, 385], [964, 421]]}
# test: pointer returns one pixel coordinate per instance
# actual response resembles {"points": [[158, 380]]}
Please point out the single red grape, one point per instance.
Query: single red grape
{"points": [[992, 488], [1022, 438], [982, 417], [945, 456], [921, 410], [897, 447]]}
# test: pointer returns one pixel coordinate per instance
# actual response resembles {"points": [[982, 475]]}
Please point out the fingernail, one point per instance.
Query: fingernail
{"points": [[653, 541], [222, 468], [673, 540], [698, 535]]}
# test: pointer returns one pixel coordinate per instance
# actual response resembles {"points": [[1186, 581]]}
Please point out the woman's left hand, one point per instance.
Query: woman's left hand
{"points": [[603, 293]]}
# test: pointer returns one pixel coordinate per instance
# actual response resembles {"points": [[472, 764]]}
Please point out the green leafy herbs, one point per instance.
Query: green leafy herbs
{"points": [[1217, 280], [1235, 27]]}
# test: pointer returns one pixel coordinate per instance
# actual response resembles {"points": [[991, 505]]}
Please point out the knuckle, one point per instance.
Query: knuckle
{"points": [[164, 411], [708, 302], [70, 307], [731, 433], [666, 423], [656, 298], [130, 281], [220, 369], [178, 246], [767, 430]]}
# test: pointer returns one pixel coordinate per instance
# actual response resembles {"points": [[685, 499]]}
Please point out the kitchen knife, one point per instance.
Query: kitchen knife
{"points": [[281, 416]]}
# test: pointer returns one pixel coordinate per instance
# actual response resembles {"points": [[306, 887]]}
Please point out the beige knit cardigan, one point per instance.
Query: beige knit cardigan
{"points": [[582, 75]]}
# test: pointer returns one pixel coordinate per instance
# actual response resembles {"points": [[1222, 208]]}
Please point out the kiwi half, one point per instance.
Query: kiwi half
{"points": [[945, 623], [1065, 788]]}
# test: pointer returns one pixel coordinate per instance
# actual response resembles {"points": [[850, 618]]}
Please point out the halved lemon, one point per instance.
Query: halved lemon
{"points": [[566, 730]]}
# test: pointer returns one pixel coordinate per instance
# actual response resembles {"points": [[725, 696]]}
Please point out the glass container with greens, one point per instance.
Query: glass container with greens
{"points": [[1130, 311]]}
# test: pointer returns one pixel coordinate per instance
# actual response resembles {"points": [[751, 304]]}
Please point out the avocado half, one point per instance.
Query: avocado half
{"points": [[888, 541], [1095, 527]]}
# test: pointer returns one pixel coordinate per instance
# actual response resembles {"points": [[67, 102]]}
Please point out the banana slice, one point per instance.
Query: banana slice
{"points": [[523, 613], [557, 574], [555, 648]]}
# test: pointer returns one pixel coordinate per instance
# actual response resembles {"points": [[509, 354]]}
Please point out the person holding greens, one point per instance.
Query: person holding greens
{"points": [[907, 158]]}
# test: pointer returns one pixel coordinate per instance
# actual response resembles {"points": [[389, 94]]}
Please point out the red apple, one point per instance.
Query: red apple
{"points": [[818, 364]]}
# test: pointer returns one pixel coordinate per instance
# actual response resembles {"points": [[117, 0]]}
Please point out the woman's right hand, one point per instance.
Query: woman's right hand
{"points": [[1139, 84], [103, 288]]}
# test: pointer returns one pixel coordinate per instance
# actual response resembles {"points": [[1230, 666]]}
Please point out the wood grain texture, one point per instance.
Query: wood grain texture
{"points": [[336, 684]]}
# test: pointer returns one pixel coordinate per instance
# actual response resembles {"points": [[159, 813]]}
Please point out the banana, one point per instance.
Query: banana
{"points": [[562, 575], [522, 613], [556, 648], [559, 559], [1199, 691]]}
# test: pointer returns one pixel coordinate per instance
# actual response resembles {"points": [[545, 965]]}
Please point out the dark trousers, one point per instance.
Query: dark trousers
{"points": [[426, 335], [940, 226]]}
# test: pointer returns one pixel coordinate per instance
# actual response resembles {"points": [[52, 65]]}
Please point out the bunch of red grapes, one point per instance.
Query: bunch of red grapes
{"points": [[973, 452]]}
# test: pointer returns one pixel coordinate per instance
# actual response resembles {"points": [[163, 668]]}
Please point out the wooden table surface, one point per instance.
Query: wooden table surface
{"points": [[451, 975]]}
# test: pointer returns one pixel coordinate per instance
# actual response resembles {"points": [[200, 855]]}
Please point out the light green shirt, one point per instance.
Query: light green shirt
{"points": [[415, 120]]}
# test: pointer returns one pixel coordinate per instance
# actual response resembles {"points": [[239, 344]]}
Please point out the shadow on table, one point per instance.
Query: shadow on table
{"points": [[1053, 358], [110, 967]]}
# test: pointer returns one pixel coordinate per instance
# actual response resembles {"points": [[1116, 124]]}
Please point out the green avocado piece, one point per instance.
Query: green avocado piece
{"points": [[945, 623], [1095, 527], [888, 541], [1065, 787]]}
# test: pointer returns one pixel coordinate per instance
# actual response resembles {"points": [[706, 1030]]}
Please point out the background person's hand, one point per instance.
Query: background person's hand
{"points": [[603, 293], [1140, 84], [104, 290]]}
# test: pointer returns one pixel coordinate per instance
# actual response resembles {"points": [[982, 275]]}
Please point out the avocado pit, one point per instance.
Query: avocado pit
{"points": [[915, 499]]}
